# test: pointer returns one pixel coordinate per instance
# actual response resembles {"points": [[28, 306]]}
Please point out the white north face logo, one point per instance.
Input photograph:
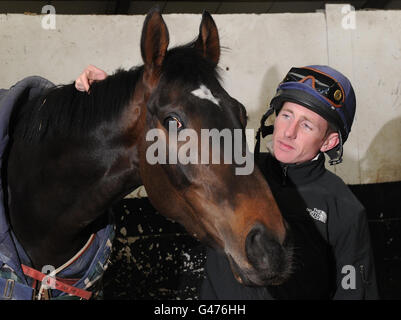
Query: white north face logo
{"points": [[318, 214]]}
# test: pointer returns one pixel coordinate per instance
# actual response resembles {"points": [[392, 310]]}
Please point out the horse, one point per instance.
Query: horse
{"points": [[73, 154]]}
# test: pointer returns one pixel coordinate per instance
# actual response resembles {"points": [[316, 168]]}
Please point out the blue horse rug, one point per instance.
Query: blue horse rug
{"points": [[17, 277]]}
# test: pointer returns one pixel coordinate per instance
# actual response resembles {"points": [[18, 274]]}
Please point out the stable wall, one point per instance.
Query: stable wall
{"points": [[258, 51]]}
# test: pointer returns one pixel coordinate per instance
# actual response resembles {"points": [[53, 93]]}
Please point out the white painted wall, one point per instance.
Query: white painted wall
{"points": [[260, 49]]}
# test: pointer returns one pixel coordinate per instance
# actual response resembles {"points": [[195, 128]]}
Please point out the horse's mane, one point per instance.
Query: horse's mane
{"points": [[63, 111]]}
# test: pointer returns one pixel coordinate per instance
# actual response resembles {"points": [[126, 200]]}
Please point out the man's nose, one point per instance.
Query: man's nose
{"points": [[291, 130]]}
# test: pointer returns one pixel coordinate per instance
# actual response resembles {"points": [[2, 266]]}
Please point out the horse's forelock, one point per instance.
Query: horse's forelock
{"points": [[185, 64]]}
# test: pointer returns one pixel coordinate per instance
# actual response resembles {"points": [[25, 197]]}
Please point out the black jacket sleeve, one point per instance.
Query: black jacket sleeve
{"points": [[356, 276]]}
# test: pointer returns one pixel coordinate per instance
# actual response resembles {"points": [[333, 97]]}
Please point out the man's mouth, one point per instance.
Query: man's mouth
{"points": [[284, 147]]}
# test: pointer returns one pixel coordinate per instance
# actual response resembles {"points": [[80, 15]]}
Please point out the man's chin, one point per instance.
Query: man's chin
{"points": [[284, 157]]}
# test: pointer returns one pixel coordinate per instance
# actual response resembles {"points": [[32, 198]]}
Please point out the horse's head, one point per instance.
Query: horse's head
{"points": [[185, 177]]}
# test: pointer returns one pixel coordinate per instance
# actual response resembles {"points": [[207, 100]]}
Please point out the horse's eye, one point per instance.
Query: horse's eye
{"points": [[173, 118]]}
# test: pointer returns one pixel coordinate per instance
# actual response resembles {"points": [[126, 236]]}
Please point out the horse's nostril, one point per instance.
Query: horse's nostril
{"points": [[262, 249]]}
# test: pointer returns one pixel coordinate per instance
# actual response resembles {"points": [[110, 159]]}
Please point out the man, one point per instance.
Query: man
{"points": [[315, 108], [328, 228]]}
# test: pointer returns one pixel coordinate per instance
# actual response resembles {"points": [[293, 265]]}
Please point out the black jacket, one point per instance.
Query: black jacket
{"points": [[328, 227]]}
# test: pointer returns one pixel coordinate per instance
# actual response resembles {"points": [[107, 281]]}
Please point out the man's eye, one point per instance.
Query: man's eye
{"points": [[307, 126], [173, 119]]}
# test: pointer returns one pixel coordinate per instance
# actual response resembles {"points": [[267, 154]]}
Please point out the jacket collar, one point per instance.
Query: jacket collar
{"points": [[299, 174]]}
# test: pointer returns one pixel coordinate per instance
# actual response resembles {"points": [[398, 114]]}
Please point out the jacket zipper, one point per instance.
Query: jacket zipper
{"points": [[365, 282], [284, 181]]}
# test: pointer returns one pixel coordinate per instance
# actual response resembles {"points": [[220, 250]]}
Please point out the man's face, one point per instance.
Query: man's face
{"points": [[299, 134]]}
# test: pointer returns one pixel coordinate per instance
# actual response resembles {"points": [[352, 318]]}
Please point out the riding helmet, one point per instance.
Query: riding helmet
{"points": [[323, 90]]}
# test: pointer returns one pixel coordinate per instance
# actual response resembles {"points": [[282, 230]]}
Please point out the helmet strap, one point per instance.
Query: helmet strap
{"points": [[336, 154], [263, 131]]}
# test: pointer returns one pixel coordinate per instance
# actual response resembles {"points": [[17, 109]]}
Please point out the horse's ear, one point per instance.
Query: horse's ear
{"points": [[208, 42], [154, 43]]}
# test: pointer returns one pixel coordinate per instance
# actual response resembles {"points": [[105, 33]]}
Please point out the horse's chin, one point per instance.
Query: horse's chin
{"points": [[253, 278]]}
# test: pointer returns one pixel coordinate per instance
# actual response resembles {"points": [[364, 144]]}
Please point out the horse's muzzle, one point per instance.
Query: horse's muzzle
{"points": [[271, 261]]}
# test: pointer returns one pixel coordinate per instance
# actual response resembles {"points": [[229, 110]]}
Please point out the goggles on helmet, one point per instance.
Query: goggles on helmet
{"points": [[327, 86]]}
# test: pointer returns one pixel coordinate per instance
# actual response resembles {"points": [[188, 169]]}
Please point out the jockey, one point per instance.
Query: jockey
{"points": [[315, 108]]}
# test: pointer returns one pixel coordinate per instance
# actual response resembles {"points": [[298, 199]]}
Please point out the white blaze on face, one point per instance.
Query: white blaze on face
{"points": [[203, 92]]}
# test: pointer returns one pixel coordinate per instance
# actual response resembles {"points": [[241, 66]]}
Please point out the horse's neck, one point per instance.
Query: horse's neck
{"points": [[54, 202]]}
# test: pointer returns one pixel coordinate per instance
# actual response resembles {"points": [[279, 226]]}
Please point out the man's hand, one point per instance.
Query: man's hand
{"points": [[90, 74]]}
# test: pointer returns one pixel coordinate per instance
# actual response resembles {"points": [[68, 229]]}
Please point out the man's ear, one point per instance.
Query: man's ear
{"points": [[332, 140]]}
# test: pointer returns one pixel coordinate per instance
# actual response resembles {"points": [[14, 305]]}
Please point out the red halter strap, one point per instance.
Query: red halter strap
{"points": [[56, 284]]}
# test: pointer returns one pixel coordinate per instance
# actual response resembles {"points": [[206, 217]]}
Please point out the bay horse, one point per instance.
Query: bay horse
{"points": [[73, 154]]}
